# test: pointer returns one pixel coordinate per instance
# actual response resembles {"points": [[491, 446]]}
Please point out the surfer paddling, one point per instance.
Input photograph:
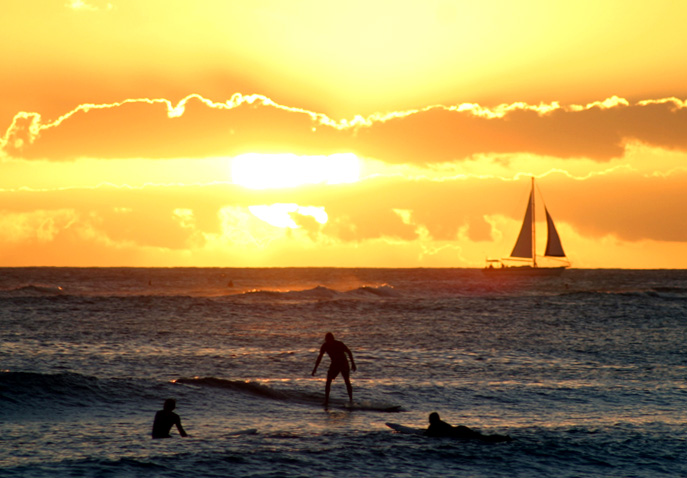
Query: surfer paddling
{"points": [[439, 428], [165, 418], [337, 352]]}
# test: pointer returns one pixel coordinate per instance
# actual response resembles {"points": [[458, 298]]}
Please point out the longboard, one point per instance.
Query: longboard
{"points": [[372, 406], [404, 429]]}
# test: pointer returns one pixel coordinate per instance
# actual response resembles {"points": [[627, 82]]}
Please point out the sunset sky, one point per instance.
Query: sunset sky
{"points": [[349, 134]]}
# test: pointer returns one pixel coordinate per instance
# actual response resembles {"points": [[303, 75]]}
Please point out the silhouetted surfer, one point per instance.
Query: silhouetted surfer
{"points": [[339, 364], [439, 428], [165, 418]]}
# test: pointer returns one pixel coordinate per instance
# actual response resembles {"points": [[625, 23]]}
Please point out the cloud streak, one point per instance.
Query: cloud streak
{"points": [[171, 216]]}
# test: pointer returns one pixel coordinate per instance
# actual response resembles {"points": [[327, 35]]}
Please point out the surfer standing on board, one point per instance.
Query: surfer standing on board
{"points": [[165, 418], [337, 351]]}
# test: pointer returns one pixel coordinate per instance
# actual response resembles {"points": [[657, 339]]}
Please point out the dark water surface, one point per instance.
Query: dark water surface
{"points": [[586, 372]]}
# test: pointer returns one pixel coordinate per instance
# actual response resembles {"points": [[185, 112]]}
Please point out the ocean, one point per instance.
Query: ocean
{"points": [[586, 372]]}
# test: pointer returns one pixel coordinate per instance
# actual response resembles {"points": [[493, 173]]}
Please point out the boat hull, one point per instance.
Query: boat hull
{"points": [[525, 271]]}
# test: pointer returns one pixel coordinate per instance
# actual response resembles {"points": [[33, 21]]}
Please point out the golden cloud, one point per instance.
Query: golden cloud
{"points": [[197, 127]]}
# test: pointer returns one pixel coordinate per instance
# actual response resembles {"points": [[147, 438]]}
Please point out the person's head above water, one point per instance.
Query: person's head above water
{"points": [[328, 337], [170, 404], [434, 417]]}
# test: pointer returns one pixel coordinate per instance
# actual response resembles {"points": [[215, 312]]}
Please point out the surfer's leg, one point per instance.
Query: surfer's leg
{"points": [[327, 388], [331, 375], [349, 388]]}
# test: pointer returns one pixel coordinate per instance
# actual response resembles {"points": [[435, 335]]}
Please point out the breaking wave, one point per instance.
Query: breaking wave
{"points": [[292, 396]]}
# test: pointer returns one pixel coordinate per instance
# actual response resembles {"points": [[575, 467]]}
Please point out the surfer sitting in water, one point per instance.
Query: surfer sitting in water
{"points": [[337, 351], [165, 418], [439, 428]]}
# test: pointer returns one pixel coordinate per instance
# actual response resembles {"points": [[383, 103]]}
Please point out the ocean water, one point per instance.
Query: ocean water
{"points": [[586, 372]]}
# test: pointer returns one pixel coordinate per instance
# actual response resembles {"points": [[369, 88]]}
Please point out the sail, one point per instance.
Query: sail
{"points": [[554, 247], [523, 246]]}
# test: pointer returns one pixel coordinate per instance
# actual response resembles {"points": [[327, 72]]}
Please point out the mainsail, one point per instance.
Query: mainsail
{"points": [[524, 246]]}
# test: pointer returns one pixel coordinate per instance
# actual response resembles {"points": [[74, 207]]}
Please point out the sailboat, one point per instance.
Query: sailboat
{"points": [[524, 250]]}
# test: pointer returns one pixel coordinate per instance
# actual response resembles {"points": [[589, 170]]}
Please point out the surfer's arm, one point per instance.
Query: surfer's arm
{"points": [[317, 362], [182, 432], [350, 355]]}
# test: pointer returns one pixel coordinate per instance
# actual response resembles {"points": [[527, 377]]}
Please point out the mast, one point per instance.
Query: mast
{"points": [[534, 235]]}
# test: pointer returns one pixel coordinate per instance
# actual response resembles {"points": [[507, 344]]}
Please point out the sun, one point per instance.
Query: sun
{"points": [[273, 171], [278, 171]]}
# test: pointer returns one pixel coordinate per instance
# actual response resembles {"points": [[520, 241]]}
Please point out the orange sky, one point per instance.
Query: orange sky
{"points": [[364, 134]]}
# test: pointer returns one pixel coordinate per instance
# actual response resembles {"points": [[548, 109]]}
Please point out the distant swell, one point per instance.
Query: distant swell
{"points": [[671, 290], [668, 293], [325, 293], [107, 288], [24, 390], [34, 290]]}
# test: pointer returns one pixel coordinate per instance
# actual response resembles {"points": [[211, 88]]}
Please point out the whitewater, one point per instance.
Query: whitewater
{"points": [[586, 372]]}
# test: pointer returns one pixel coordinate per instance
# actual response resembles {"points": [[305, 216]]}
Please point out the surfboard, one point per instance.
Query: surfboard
{"points": [[421, 431], [372, 406], [404, 429]]}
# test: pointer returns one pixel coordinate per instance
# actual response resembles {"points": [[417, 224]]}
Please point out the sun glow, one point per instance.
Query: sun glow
{"points": [[280, 215], [271, 171]]}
